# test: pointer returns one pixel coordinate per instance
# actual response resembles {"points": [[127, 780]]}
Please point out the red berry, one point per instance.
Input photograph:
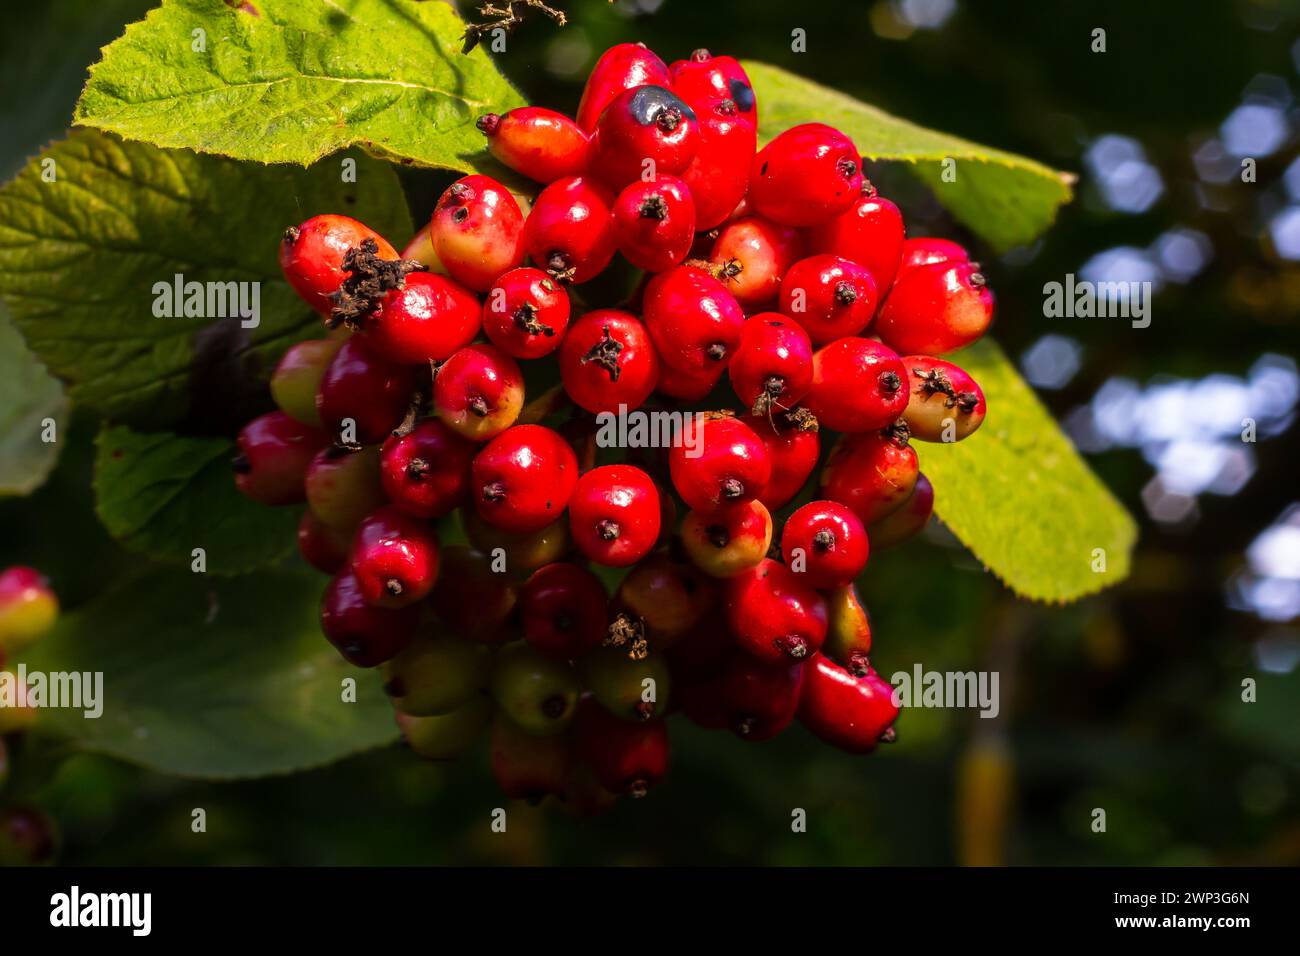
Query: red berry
{"points": [[525, 313], [523, 479], [772, 367], [926, 251], [425, 320], [694, 321], [758, 699], [907, 520], [525, 766], [946, 404], [366, 636], [873, 473], [607, 361], [654, 223], [667, 597], [569, 231], [829, 296], [394, 558], [722, 461], [852, 713], [563, 609], [324, 548], [426, 471], [869, 232], [848, 630], [477, 231], [751, 255], [643, 134], [626, 757], [688, 386], [773, 614], [343, 486], [479, 392], [311, 256], [614, 515], [536, 142], [806, 176], [705, 77], [826, 543], [728, 539], [936, 309], [858, 385], [363, 397], [792, 448], [719, 174], [297, 378], [28, 609], [274, 452], [621, 67]]}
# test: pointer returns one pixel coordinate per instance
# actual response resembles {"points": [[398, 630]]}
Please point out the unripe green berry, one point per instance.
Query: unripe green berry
{"points": [[446, 736], [625, 686], [537, 693], [297, 378], [436, 675]]}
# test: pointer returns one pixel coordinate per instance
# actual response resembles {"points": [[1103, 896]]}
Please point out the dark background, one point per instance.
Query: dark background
{"points": [[1130, 701]]}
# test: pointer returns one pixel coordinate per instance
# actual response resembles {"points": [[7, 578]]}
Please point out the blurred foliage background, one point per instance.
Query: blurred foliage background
{"points": [[1129, 702]]}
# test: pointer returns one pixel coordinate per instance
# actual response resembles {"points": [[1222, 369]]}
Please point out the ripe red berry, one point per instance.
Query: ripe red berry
{"points": [[425, 472], [688, 386], [523, 479], [758, 699], [694, 321], [607, 360], [667, 597], [311, 256], [705, 77], [852, 713], [274, 452], [719, 174], [365, 635], [614, 515], [528, 767], [363, 397], [873, 473], [394, 558], [525, 313], [297, 378], [792, 447], [848, 630], [477, 231], [858, 385], [654, 223], [626, 757], [536, 142], [728, 539], [829, 296], [936, 309], [807, 176], [926, 250], [479, 392], [722, 461], [751, 255], [907, 520], [569, 231], [324, 548], [563, 609], [773, 614], [624, 66], [540, 694], [344, 485], [946, 404], [643, 134], [826, 543], [869, 232], [425, 320], [772, 367]]}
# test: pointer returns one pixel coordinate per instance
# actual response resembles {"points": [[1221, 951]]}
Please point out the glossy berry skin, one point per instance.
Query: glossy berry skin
{"points": [[807, 176], [654, 223], [569, 231], [479, 392], [343, 486], [825, 543], [873, 473], [394, 558], [829, 296], [758, 699], [626, 757], [477, 231], [425, 472], [436, 675], [426, 320], [688, 386], [907, 520], [536, 142], [719, 174], [772, 367], [624, 66], [773, 614], [852, 713], [848, 630], [668, 598], [420, 248], [528, 767], [945, 403], [727, 463], [705, 77], [607, 360], [729, 539], [643, 134], [752, 255], [28, 608], [523, 479], [614, 515], [472, 598], [365, 635], [324, 548], [563, 610], [936, 309], [694, 321], [793, 447], [525, 313], [927, 250], [538, 693], [297, 378], [370, 391], [272, 457], [858, 385], [311, 256], [869, 232]]}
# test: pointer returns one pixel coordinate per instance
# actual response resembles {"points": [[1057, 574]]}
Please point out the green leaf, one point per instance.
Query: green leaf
{"points": [[92, 225], [1020, 497], [217, 678], [1005, 199], [162, 495], [28, 396], [299, 79]]}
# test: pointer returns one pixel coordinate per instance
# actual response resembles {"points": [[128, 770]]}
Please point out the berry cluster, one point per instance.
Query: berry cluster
{"points": [[782, 269]]}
